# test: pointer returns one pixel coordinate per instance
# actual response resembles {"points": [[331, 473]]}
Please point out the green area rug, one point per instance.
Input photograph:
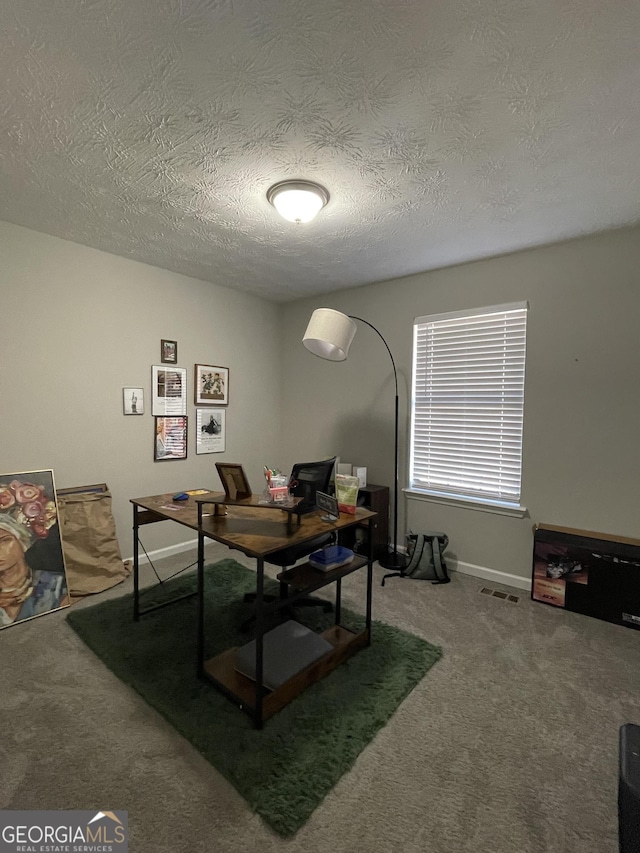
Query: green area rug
{"points": [[285, 770]]}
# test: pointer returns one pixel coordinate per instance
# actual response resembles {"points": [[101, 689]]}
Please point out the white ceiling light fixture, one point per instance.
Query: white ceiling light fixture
{"points": [[297, 201]]}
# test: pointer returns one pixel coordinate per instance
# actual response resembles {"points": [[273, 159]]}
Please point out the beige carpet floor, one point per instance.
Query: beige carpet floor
{"points": [[509, 744]]}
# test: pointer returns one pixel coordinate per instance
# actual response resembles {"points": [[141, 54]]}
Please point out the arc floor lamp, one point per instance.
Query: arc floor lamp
{"points": [[329, 335]]}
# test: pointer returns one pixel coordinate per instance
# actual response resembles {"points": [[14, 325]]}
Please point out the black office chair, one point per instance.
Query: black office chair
{"points": [[306, 479]]}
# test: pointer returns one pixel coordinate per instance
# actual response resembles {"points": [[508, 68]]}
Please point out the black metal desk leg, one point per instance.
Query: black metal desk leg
{"points": [[369, 580], [136, 577], [200, 617], [259, 642]]}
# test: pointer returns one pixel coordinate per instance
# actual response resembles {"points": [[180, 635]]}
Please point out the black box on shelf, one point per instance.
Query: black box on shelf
{"points": [[376, 499], [592, 573]]}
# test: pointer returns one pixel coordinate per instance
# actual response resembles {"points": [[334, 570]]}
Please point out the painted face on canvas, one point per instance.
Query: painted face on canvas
{"points": [[11, 551]]}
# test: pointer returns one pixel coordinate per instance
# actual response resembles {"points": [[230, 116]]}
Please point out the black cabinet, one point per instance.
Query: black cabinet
{"points": [[375, 498]]}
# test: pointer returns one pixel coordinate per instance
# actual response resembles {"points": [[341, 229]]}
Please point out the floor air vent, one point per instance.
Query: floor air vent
{"points": [[496, 593]]}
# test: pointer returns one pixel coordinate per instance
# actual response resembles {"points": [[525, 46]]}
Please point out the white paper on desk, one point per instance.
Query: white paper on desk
{"points": [[171, 506]]}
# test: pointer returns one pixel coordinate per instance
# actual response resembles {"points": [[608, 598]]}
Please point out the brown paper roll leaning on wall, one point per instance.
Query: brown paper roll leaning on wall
{"points": [[89, 542]]}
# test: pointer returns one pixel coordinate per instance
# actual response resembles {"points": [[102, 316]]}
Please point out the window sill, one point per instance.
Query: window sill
{"points": [[467, 503]]}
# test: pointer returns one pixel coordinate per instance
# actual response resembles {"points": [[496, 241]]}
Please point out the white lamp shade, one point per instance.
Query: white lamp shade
{"points": [[329, 334]]}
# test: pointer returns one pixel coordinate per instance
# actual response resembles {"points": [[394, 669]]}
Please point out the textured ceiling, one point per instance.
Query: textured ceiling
{"points": [[445, 131]]}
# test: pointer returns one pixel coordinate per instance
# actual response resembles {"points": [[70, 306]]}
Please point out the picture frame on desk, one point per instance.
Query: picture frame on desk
{"points": [[234, 480], [211, 385], [211, 431]]}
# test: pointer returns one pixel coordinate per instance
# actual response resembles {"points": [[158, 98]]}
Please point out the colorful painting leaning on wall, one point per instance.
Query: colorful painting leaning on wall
{"points": [[32, 572]]}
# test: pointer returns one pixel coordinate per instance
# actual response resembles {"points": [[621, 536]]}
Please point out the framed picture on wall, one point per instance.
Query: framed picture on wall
{"points": [[211, 385], [170, 438], [33, 579], [133, 401], [210, 430], [168, 390], [168, 352]]}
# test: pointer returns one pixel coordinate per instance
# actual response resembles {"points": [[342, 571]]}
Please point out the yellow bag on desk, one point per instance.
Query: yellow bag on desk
{"points": [[347, 493]]}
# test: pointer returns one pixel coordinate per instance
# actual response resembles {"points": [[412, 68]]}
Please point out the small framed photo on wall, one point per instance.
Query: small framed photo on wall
{"points": [[133, 401], [210, 431], [168, 352], [211, 385]]}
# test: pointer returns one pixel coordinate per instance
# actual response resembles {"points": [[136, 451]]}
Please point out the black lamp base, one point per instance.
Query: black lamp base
{"points": [[394, 561]]}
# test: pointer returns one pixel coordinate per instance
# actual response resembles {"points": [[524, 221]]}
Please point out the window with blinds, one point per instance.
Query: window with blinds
{"points": [[468, 404]]}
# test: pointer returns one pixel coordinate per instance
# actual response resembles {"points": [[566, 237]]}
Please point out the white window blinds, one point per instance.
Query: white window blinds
{"points": [[468, 403]]}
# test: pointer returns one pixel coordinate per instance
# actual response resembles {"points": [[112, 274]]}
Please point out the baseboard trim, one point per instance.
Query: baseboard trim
{"points": [[169, 551], [491, 575]]}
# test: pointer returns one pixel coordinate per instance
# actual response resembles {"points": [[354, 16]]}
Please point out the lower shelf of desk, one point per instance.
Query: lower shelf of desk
{"points": [[307, 579], [221, 670]]}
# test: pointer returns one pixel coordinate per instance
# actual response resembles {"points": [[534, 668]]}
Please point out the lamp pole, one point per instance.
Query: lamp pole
{"points": [[392, 560]]}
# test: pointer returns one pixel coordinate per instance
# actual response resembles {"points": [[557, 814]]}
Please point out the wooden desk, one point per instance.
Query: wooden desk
{"points": [[258, 530]]}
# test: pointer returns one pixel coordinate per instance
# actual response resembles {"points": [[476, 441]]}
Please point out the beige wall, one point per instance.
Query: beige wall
{"points": [[77, 325], [581, 447]]}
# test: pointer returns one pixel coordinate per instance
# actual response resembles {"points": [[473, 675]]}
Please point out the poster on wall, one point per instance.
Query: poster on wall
{"points": [[170, 439], [210, 430], [33, 580], [211, 385], [169, 390]]}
